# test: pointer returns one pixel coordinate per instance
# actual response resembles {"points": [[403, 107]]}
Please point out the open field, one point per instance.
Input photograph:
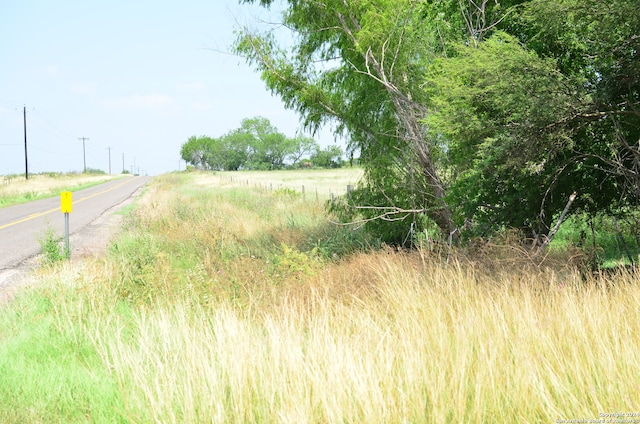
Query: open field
{"points": [[324, 182], [232, 304], [38, 186]]}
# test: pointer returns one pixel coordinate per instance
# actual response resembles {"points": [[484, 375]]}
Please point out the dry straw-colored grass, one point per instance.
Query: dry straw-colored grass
{"points": [[320, 182], [391, 340], [377, 337], [42, 184]]}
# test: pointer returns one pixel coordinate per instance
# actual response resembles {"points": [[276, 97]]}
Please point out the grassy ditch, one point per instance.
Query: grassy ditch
{"points": [[233, 304]]}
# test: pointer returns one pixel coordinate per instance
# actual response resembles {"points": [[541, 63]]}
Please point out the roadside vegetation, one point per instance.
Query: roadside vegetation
{"points": [[15, 189], [474, 116], [229, 303]]}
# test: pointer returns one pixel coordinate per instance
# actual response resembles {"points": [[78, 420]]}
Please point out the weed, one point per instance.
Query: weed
{"points": [[51, 248], [287, 192], [292, 262]]}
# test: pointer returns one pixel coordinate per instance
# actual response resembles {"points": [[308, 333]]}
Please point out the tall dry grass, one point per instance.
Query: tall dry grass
{"points": [[263, 334], [394, 340]]}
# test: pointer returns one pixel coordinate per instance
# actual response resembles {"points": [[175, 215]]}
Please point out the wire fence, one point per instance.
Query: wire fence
{"points": [[7, 180], [310, 191]]}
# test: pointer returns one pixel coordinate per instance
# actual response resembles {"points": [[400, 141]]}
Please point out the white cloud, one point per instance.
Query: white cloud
{"points": [[139, 101]]}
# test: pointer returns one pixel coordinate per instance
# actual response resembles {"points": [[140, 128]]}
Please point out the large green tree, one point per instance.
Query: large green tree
{"points": [[529, 118], [600, 43], [496, 106], [491, 113], [358, 64]]}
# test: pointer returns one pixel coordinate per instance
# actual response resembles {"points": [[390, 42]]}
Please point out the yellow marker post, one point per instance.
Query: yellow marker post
{"points": [[66, 206], [66, 201]]}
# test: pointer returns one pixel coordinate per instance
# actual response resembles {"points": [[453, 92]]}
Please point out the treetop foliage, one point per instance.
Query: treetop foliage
{"points": [[257, 144], [471, 115]]}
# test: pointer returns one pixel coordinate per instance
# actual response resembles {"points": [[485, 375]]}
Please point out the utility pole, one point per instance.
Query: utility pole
{"points": [[84, 155], [26, 161], [109, 149]]}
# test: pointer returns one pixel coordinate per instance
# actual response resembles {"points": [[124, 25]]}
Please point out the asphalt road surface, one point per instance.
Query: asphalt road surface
{"points": [[23, 226]]}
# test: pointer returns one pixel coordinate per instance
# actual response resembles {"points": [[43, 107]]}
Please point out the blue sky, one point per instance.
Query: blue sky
{"points": [[137, 76]]}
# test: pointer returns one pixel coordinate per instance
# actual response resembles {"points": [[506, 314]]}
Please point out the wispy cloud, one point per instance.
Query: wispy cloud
{"points": [[140, 101]]}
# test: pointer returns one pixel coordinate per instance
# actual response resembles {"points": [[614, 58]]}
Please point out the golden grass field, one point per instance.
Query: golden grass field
{"points": [[217, 304]]}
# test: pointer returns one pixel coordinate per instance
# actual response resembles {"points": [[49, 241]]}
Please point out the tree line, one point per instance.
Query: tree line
{"points": [[469, 115], [258, 145]]}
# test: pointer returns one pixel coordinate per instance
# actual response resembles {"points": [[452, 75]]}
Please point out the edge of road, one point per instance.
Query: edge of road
{"points": [[90, 241]]}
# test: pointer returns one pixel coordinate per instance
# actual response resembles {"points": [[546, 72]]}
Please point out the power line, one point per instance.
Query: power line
{"points": [[49, 127], [35, 146], [10, 103]]}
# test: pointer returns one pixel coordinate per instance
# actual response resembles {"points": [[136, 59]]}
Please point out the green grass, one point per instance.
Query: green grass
{"points": [[601, 243], [51, 371]]}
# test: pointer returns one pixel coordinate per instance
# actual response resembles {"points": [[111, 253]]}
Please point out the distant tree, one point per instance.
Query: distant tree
{"points": [[234, 150], [257, 144], [304, 147], [331, 157], [267, 148], [197, 151]]}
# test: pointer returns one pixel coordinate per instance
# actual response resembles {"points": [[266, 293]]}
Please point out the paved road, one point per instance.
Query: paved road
{"points": [[22, 226]]}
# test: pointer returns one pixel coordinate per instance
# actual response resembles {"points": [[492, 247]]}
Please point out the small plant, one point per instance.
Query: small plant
{"points": [[292, 262], [287, 192], [52, 251]]}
